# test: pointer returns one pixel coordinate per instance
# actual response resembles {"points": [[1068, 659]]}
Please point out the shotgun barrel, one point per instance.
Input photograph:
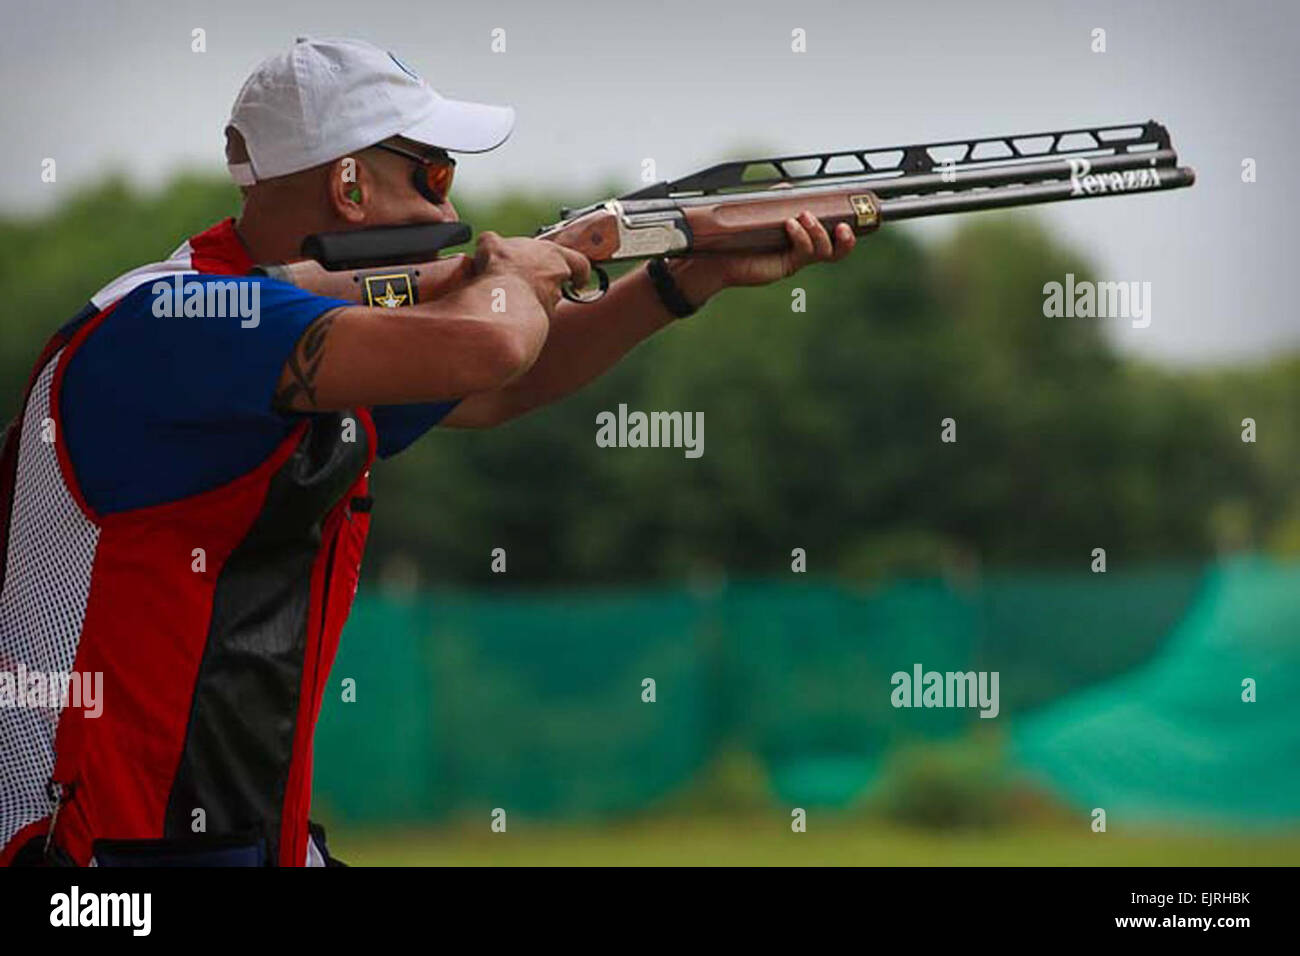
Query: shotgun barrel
{"points": [[742, 206]]}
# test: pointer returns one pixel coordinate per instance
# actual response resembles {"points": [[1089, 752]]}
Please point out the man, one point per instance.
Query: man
{"points": [[184, 495]]}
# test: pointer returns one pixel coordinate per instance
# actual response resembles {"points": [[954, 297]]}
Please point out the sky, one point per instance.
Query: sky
{"points": [[600, 87]]}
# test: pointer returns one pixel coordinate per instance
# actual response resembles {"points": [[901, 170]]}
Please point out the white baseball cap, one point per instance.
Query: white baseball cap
{"points": [[326, 98]]}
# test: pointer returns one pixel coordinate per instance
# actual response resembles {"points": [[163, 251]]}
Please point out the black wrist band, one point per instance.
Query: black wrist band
{"points": [[670, 294]]}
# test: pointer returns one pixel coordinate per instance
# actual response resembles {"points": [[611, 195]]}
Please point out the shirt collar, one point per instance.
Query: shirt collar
{"points": [[220, 250]]}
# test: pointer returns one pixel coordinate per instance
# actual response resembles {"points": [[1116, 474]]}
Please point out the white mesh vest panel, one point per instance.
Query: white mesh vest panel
{"points": [[42, 607]]}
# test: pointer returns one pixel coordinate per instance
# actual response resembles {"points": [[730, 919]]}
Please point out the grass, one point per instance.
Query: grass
{"points": [[757, 840]]}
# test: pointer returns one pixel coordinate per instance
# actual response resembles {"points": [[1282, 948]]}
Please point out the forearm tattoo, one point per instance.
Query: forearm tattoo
{"points": [[304, 364]]}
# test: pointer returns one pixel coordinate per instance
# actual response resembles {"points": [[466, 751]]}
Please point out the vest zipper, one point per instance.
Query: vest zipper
{"points": [[59, 795], [326, 583]]}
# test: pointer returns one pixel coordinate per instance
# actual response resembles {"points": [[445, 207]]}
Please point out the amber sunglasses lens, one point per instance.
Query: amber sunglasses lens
{"points": [[438, 177]]}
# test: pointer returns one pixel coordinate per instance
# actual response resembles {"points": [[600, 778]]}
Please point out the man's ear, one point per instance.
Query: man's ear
{"points": [[347, 189]]}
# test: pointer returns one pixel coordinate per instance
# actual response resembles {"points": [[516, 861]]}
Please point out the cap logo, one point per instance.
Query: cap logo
{"points": [[404, 68]]}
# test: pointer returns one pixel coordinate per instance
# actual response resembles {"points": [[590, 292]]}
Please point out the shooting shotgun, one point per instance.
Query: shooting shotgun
{"points": [[742, 206]]}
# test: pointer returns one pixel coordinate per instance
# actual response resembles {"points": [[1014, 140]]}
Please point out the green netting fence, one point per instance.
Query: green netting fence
{"points": [[1175, 739], [534, 701]]}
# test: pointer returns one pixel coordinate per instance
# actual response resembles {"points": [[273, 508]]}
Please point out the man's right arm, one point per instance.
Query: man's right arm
{"points": [[452, 346]]}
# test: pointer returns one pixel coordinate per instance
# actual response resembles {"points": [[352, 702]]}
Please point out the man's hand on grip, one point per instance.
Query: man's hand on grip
{"points": [[545, 266]]}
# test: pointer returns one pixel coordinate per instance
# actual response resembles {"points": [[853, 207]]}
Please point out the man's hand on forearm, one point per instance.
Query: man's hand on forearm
{"points": [[809, 243]]}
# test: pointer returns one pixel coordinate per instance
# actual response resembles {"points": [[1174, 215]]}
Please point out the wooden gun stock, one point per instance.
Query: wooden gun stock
{"points": [[381, 287], [384, 266]]}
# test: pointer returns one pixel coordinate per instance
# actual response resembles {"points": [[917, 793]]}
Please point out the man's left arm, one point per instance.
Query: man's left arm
{"points": [[587, 340]]}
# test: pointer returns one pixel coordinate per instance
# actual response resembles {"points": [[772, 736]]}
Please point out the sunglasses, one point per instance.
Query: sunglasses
{"points": [[433, 174]]}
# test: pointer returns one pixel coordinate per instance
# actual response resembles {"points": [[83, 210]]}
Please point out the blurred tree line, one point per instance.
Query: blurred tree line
{"points": [[822, 428]]}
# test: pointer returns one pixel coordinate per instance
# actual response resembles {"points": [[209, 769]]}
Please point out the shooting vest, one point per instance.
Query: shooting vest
{"points": [[214, 620]]}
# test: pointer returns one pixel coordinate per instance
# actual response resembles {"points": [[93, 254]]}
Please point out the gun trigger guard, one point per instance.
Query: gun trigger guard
{"points": [[583, 296]]}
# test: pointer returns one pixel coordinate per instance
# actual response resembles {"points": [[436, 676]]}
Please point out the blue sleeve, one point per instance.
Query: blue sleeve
{"points": [[158, 405], [399, 425]]}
